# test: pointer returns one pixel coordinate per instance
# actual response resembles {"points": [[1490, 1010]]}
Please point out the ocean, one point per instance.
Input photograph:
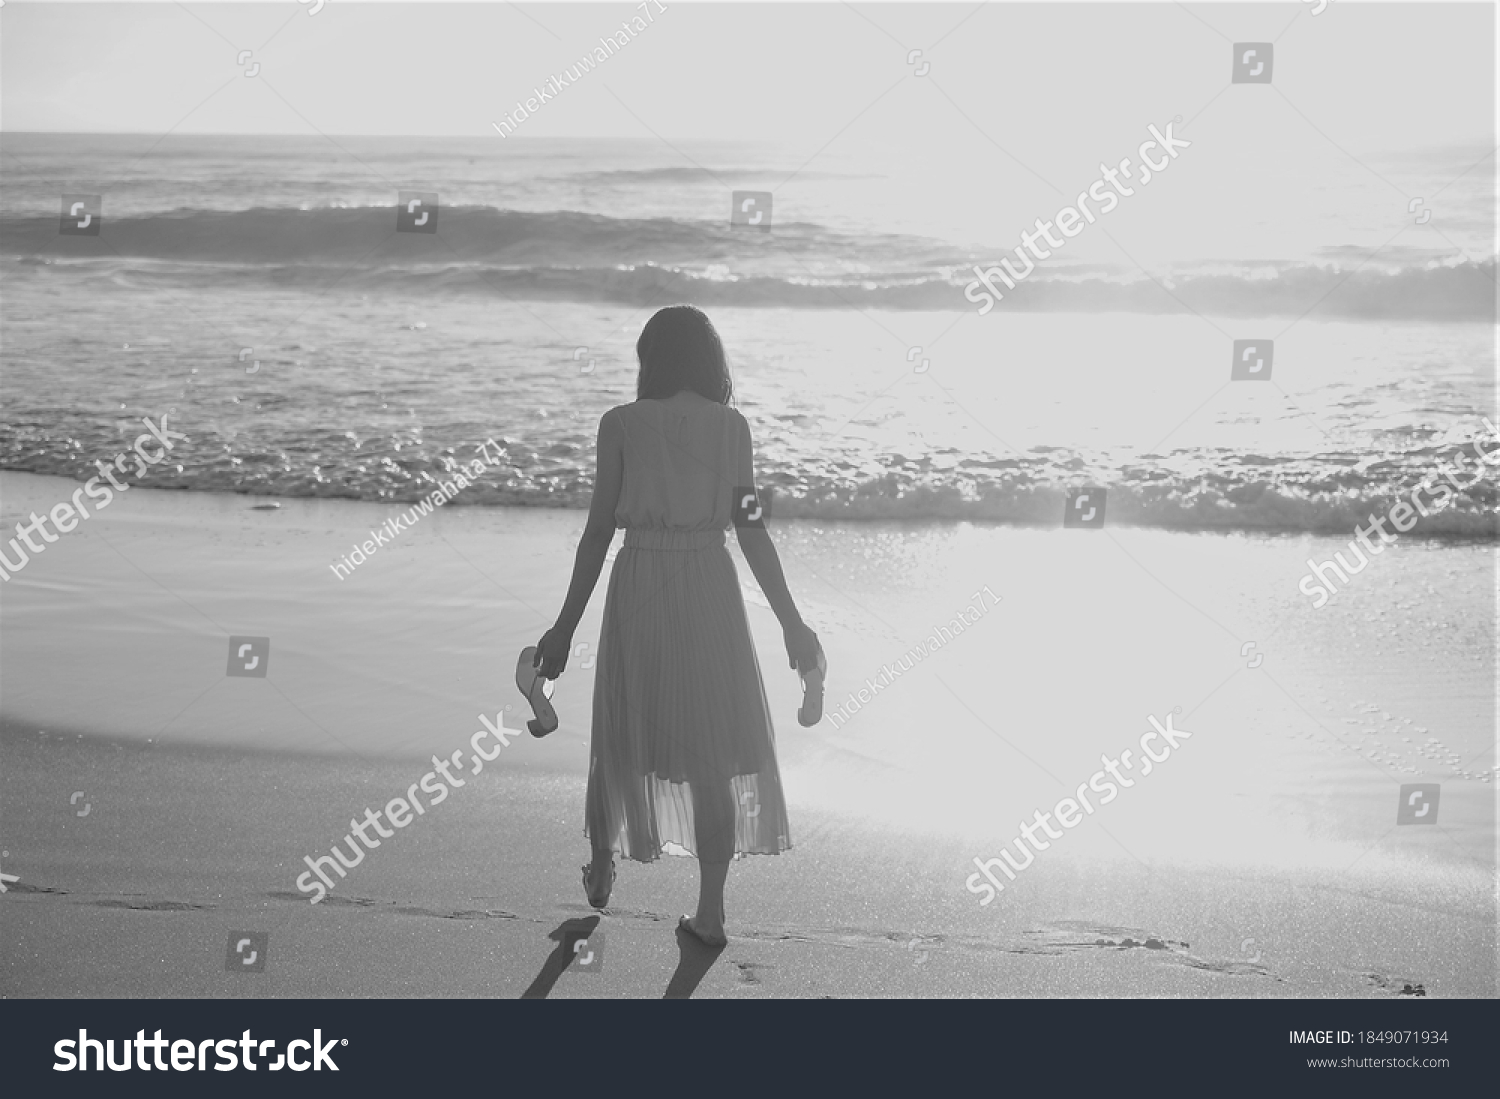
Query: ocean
{"points": [[256, 291]]}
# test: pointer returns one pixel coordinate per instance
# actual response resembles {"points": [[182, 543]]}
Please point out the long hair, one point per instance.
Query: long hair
{"points": [[679, 349]]}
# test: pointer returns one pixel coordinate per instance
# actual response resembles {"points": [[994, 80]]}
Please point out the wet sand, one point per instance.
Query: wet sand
{"points": [[1262, 859]]}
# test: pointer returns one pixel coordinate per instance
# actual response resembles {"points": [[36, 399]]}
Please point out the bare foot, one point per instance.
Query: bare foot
{"points": [[705, 933]]}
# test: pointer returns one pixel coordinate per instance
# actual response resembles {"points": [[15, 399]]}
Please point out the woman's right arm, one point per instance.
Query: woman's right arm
{"points": [[593, 547]]}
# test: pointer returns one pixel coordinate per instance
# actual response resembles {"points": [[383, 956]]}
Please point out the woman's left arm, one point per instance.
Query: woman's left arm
{"points": [[593, 546]]}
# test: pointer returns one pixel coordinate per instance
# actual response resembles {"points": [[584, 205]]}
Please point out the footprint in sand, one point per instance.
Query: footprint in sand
{"points": [[748, 974], [1396, 986], [461, 914], [154, 906], [1075, 935], [1071, 935]]}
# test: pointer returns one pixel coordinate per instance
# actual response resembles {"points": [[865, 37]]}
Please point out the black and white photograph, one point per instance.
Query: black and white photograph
{"points": [[742, 501]]}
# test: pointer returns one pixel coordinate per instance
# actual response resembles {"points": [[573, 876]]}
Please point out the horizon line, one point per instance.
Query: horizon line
{"points": [[277, 133]]}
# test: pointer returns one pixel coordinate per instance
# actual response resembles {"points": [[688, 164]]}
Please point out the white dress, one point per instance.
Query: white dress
{"points": [[682, 746]]}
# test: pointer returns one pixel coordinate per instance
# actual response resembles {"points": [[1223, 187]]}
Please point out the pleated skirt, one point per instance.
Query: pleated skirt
{"points": [[682, 756]]}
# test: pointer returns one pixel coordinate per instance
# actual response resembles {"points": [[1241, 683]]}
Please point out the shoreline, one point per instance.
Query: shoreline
{"points": [[800, 513]]}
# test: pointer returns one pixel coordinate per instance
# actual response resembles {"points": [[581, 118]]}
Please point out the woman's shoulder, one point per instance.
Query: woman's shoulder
{"points": [[612, 423], [621, 412]]}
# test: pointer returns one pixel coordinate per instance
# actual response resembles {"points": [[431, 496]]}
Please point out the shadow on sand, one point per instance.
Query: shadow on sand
{"points": [[694, 960], [566, 935]]}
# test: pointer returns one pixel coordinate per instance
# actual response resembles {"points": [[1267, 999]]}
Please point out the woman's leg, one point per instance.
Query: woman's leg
{"points": [[713, 821], [600, 839], [709, 919]]}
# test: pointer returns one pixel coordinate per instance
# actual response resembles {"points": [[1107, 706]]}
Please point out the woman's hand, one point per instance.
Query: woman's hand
{"points": [[801, 646], [552, 652]]}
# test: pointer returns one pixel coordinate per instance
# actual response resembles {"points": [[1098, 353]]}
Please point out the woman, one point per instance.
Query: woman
{"points": [[682, 757]]}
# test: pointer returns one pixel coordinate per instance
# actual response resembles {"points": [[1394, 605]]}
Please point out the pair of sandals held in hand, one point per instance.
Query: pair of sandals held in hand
{"points": [[538, 691]]}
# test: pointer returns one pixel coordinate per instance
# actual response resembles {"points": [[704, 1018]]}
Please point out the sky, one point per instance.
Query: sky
{"points": [[1380, 76]]}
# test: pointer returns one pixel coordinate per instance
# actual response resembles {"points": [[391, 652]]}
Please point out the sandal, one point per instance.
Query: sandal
{"points": [[599, 904], [811, 711], [538, 691], [686, 925]]}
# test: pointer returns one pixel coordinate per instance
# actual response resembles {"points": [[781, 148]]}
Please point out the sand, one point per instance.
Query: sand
{"points": [[1262, 859]]}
